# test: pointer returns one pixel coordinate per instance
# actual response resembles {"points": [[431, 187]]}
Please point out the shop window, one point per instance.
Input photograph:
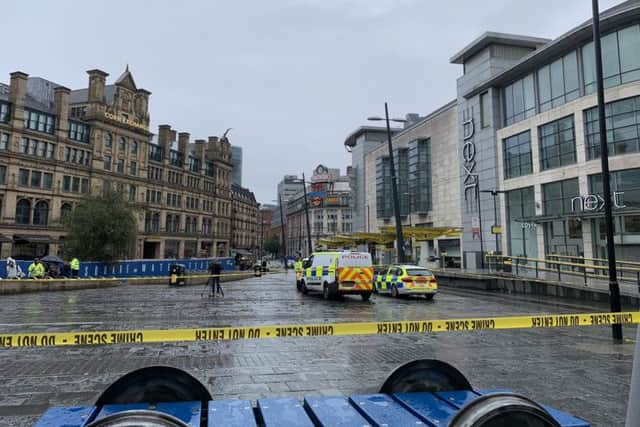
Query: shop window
{"points": [[632, 224]]}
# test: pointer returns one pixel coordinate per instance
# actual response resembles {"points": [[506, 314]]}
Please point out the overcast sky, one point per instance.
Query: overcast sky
{"points": [[292, 77]]}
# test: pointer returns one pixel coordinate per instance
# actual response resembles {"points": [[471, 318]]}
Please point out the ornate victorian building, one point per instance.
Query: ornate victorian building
{"points": [[57, 145]]}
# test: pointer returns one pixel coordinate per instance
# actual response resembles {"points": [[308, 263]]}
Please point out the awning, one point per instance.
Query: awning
{"points": [[33, 238], [5, 239]]}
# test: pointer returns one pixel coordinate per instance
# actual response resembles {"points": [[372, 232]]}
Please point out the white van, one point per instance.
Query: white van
{"points": [[338, 273]]}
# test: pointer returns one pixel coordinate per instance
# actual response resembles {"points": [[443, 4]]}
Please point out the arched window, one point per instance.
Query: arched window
{"points": [[23, 212], [108, 140], [168, 223], [155, 222], [65, 210], [41, 213], [122, 145]]}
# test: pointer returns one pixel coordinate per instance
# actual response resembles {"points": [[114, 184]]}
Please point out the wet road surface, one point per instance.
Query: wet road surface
{"points": [[578, 370]]}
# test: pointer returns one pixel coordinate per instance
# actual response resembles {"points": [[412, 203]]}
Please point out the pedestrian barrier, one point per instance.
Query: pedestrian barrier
{"points": [[539, 321], [422, 392], [136, 268], [517, 266]]}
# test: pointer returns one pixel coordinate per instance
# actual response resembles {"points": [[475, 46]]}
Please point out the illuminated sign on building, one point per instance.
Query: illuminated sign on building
{"points": [[595, 202]]}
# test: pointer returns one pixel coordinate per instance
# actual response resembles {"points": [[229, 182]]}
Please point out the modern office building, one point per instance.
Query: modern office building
{"points": [[330, 212], [519, 148], [361, 143], [58, 145], [528, 127], [236, 159], [426, 158]]}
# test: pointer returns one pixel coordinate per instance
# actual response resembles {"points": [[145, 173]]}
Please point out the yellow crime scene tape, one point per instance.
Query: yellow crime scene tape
{"points": [[542, 321]]}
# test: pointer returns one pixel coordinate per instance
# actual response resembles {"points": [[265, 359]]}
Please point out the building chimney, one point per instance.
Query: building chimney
{"points": [[165, 139], [61, 107], [183, 147], [17, 97], [97, 81], [201, 149]]}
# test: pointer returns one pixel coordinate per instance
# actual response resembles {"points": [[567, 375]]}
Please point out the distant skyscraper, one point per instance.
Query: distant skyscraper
{"points": [[236, 157], [289, 186]]}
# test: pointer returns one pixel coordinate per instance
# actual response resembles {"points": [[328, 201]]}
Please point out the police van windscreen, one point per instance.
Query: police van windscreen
{"points": [[355, 260]]}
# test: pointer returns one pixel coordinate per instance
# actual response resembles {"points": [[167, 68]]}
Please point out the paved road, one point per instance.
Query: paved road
{"points": [[578, 370]]}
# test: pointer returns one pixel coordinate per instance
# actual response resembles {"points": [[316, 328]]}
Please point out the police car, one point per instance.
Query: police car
{"points": [[399, 280]]}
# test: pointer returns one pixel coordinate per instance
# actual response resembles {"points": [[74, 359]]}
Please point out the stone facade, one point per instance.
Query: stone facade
{"points": [[245, 219], [330, 211], [440, 129], [71, 143]]}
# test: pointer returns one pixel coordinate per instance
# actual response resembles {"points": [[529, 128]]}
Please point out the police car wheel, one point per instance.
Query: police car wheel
{"points": [[394, 291], [429, 297], [365, 297], [325, 291]]}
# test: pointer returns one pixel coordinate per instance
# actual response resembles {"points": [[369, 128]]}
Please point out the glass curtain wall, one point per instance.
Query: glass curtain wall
{"points": [[521, 230], [623, 122], [563, 234], [420, 174]]}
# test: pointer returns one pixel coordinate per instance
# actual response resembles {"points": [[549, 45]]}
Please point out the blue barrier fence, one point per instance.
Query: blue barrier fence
{"points": [[137, 268]]}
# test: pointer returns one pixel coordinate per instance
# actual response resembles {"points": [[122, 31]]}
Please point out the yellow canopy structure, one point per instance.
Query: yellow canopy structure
{"points": [[388, 235]]}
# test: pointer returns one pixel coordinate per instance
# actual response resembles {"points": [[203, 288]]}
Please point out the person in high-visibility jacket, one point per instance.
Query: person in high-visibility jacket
{"points": [[36, 269], [297, 266], [75, 267]]}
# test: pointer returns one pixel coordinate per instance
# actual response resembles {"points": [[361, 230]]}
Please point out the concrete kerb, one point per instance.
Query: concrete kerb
{"points": [[10, 287], [521, 285]]}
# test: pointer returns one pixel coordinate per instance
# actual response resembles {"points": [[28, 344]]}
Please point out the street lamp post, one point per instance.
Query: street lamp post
{"points": [[494, 193], [306, 209], [614, 289], [394, 184], [284, 242], [411, 208]]}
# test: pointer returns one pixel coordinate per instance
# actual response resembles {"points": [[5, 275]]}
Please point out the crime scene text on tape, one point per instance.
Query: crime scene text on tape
{"points": [[20, 340]]}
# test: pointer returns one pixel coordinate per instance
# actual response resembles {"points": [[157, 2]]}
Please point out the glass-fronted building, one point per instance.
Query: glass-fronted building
{"points": [[541, 148]]}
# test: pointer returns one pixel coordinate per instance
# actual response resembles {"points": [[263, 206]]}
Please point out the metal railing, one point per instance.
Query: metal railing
{"points": [[628, 271]]}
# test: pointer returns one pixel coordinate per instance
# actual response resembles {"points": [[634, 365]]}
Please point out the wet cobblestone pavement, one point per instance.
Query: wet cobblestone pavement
{"points": [[578, 370]]}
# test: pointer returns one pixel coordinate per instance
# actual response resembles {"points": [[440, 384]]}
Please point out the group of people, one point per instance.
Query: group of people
{"points": [[39, 270]]}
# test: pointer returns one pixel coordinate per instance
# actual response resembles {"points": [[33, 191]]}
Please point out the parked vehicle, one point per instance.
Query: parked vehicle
{"points": [[338, 273], [399, 280]]}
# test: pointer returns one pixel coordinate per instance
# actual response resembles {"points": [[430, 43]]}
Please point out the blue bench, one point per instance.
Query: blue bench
{"points": [[374, 410]]}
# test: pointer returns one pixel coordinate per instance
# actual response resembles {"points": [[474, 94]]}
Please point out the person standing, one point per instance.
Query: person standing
{"points": [[216, 270], [13, 269], [75, 268], [36, 269]]}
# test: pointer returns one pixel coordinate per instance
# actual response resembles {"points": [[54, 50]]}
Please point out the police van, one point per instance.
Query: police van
{"points": [[338, 273]]}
